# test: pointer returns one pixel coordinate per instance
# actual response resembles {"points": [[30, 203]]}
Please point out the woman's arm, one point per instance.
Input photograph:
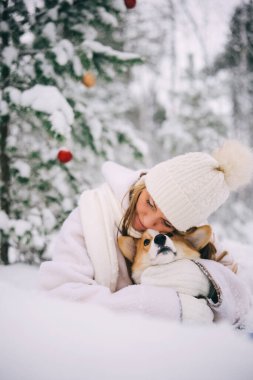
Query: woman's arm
{"points": [[227, 295], [70, 275], [232, 295]]}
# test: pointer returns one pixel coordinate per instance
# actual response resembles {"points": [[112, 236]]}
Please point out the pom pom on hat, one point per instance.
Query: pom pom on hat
{"points": [[190, 187], [236, 162]]}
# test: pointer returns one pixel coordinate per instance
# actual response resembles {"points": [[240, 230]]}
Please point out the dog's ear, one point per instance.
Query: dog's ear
{"points": [[199, 237], [127, 247]]}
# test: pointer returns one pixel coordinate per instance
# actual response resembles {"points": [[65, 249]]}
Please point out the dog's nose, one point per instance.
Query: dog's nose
{"points": [[160, 239]]}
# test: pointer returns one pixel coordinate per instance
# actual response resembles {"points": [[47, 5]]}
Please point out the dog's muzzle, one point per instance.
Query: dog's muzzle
{"points": [[164, 250], [160, 240]]}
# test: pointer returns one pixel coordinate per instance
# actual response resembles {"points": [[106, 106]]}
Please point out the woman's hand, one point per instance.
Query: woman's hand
{"points": [[182, 275], [195, 310]]}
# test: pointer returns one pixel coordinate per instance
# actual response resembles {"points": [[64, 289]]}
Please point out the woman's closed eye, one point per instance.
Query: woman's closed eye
{"points": [[151, 203], [167, 224]]}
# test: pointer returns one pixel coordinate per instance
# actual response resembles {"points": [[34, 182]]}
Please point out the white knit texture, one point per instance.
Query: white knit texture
{"points": [[190, 187], [187, 188], [195, 310], [182, 275]]}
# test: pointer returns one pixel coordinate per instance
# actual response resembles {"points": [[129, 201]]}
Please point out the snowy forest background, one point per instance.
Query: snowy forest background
{"points": [[168, 77]]}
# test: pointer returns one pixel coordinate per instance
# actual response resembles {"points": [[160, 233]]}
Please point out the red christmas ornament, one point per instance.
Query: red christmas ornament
{"points": [[130, 4], [64, 155]]}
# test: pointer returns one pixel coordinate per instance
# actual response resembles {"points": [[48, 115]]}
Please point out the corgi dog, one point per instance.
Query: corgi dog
{"points": [[155, 248]]}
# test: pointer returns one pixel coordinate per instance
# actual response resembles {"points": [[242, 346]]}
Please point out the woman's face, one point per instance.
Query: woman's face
{"points": [[148, 215]]}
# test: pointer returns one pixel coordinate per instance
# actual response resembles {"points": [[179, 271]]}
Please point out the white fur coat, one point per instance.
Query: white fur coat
{"points": [[72, 274]]}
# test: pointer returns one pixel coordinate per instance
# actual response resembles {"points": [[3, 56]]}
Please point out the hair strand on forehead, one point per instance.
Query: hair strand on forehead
{"points": [[134, 193]]}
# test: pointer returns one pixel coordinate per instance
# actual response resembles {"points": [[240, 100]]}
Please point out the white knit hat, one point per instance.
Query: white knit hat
{"points": [[190, 187]]}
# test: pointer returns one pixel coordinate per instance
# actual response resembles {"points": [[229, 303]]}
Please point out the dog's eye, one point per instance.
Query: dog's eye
{"points": [[146, 242]]}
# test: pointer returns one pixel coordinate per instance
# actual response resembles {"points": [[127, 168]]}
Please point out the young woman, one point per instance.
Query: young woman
{"points": [[180, 193]]}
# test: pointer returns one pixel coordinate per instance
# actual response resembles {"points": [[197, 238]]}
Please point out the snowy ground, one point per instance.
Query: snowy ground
{"points": [[47, 339]]}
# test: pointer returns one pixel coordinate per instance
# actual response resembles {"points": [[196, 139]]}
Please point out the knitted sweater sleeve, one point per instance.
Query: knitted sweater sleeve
{"points": [[233, 299], [70, 275]]}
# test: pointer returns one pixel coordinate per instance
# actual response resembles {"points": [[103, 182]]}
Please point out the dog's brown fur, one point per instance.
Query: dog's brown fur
{"points": [[193, 244]]}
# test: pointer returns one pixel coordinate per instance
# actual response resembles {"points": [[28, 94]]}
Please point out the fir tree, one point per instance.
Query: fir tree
{"points": [[178, 104], [48, 49], [237, 60]]}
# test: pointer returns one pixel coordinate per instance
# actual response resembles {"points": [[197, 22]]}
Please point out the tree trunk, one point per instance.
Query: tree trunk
{"points": [[4, 159]]}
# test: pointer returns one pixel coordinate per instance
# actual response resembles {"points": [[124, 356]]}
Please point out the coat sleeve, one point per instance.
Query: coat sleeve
{"points": [[70, 275], [232, 299]]}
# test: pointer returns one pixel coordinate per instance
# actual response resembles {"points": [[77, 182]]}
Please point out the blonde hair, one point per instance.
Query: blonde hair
{"points": [[133, 194], [207, 252]]}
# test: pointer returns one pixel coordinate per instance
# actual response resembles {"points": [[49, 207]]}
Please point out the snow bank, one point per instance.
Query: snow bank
{"points": [[47, 339]]}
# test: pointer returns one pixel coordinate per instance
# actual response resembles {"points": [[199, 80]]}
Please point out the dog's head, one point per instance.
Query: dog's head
{"points": [[155, 248]]}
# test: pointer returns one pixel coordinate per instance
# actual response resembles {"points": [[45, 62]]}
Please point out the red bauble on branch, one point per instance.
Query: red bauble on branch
{"points": [[64, 155], [130, 3]]}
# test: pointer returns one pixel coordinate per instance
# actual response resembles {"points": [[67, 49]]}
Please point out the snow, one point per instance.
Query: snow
{"points": [[21, 226], [4, 221], [23, 168], [4, 26], [107, 18], [49, 219], [243, 255], [32, 4], [67, 204], [10, 55], [53, 13], [50, 31], [64, 52], [4, 108], [97, 47], [90, 32], [59, 123], [77, 66], [27, 38], [202, 29], [35, 217], [48, 99], [14, 93], [45, 338], [13, 255]]}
